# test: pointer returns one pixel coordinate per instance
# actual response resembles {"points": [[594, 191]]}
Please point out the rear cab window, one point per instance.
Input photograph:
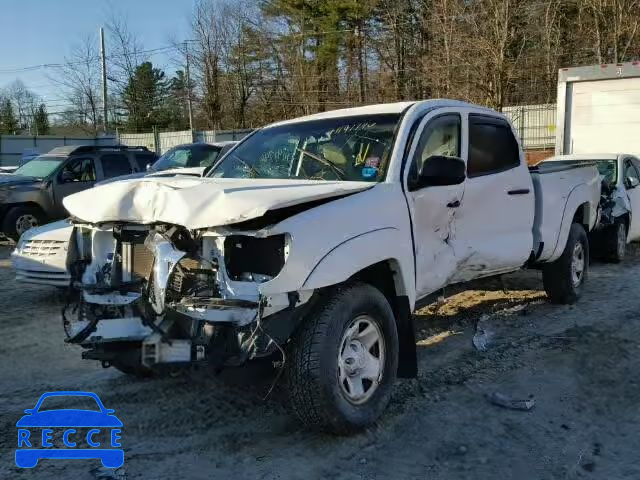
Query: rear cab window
{"points": [[492, 146]]}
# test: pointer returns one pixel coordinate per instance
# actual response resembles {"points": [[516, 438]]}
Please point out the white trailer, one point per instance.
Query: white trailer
{"points": [[599, 109]]}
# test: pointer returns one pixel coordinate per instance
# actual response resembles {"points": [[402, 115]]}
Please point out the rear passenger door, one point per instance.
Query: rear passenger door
{"points": [[495, 217], [114, 165], [631, 179]]}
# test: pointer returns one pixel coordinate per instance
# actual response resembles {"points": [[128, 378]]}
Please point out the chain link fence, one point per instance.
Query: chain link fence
{"points": [[535, 124]]}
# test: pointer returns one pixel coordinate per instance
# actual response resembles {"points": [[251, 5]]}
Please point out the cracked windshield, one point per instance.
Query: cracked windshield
{"points": [[355, 148]]}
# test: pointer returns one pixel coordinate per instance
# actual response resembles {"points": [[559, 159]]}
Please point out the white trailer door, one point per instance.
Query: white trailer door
{"points": [[604, 116]]}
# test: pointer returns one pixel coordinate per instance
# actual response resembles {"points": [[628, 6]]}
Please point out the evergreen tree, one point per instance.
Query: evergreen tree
{"points": [[143, 97], [41, 120], [8, 120]]}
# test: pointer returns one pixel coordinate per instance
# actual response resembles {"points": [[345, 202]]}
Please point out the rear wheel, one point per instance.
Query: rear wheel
{"points": [[20, 219], [564, 278], [343, 360]]}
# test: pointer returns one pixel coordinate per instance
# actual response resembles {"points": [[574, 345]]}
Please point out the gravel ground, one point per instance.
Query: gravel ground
{"points": [[580, 363]]}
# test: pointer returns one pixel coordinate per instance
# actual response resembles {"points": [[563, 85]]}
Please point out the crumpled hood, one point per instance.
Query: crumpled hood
{"points": [[198, 202], [193, 171]]}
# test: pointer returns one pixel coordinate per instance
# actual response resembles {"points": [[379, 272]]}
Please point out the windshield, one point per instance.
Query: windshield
{"points": [[355, 148], [40, 167], [197, 155], [608, 169]]}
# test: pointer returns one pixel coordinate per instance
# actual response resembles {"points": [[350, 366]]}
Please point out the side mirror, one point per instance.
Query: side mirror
{"points": [[66, 177], [148, 167], [439, 170], [207, 170], [631, 182]]}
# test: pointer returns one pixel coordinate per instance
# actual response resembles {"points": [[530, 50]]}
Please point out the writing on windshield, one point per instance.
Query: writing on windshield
{"points": [[350, 148]]}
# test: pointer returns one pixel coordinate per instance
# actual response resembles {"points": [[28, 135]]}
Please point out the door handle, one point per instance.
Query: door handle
{"points": [[519, 191], [454, 204]]}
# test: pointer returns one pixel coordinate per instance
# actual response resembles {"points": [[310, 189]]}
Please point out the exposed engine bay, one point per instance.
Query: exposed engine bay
{"points": [[161, 293]]}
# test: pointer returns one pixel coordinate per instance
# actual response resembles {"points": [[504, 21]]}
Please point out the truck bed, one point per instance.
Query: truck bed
{"points": [[556, 185]]}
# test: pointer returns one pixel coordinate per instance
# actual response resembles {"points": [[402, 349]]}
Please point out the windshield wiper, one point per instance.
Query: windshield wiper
{"points": [[324, 161]]}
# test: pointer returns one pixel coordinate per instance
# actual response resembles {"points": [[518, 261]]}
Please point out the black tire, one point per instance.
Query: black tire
{"points": [[15, 215], [312, 373], [615, 241], [558, 277]]}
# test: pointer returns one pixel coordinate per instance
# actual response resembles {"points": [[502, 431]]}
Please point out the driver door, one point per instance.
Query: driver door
{"points": [[78, 174], [433, 207]]}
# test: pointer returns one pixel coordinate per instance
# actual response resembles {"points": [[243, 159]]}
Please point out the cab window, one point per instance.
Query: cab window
{"points": [[115, 165], [631, 177], [441, 137], [78, 170], [492, 146]]}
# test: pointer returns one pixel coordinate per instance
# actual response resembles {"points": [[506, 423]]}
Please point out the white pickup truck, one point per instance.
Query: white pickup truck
{"points": [[315, 239]]}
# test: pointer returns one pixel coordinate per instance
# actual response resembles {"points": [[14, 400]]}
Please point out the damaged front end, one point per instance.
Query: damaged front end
{"points": [[162, 294], [614, 205]]}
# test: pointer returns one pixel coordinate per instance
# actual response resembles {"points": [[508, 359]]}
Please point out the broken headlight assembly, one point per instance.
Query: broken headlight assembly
{"points": [[255, 259]]}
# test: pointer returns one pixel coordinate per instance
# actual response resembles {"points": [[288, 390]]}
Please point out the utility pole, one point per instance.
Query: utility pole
{"points": [[103, 60], [186, 51]]}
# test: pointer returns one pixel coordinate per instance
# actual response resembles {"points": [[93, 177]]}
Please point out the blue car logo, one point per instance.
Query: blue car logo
{"points": [[37, 443]]}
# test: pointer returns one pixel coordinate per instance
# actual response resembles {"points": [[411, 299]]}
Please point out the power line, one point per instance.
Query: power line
{"points": [[85, 61]]}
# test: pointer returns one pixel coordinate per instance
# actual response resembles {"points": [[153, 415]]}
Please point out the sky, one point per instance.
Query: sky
{"points": [[36, 32]]}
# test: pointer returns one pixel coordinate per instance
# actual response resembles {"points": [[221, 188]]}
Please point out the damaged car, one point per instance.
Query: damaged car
{"points": [[314, 240], [620, 174]]}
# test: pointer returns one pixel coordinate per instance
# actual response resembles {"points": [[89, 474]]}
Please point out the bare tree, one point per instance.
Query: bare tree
{"points": [[124, 56], [614, 27], [208, 51], [80, 79], [24, 101]]}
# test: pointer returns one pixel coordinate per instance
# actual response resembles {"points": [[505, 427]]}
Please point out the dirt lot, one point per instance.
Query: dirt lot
{"points": [[581, 363]]}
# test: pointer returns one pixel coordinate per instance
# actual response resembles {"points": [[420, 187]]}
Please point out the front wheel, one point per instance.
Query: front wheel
{"points": [[343, 360], [616, 242], [20, 219], [564, 278]]}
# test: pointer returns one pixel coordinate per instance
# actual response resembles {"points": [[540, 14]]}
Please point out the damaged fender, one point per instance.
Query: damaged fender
{"points": [[339, 263]]}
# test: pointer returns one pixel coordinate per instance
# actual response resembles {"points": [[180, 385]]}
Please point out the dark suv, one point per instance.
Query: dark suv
{"points": [[33, 194]]}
